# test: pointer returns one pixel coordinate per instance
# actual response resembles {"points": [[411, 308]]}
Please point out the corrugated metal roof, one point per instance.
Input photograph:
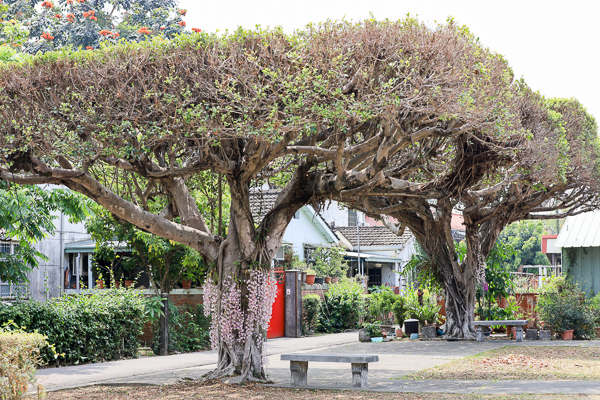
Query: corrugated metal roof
{"points": [[581, 230]]}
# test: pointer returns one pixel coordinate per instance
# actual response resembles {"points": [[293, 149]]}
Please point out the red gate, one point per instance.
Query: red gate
{"points": [[277, 323]]}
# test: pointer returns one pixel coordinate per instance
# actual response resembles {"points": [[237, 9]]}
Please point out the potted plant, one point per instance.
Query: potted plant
{"points": [[374, 331], [566, 312], [100, 284], [310, 276], [399, 310], [186, 283], [329, 262]]}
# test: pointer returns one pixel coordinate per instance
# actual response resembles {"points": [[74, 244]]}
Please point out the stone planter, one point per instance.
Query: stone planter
{"points": [[545, 334], [363, 335], [428, 332], [531, 334]]}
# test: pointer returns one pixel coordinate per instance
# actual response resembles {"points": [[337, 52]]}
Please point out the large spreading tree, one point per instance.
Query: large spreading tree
{"points": [[336, 111], [547, 168]]}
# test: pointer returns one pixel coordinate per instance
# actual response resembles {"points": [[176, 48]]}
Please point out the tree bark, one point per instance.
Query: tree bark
{"points": [[163, 346]]}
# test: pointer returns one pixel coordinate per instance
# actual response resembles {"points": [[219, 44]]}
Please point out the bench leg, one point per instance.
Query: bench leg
{"points": [[519, 333], [479, 330], [299, 370], [360, 372]]}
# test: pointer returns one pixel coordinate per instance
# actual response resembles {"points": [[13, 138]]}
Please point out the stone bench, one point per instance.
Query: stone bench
{"points": [[299, 366], [519, 324]]}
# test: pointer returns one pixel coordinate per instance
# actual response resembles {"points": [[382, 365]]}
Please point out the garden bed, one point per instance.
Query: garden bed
{"points": [[526, 362]]}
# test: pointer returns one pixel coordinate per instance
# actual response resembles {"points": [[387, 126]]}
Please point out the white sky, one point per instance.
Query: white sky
{"points": [[554, 45]]}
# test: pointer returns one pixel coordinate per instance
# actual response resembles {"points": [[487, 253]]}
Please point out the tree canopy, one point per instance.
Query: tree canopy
{"points": [[40, 26], [391, 117]]}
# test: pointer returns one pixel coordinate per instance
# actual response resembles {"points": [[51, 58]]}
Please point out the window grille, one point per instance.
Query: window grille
{"points": [[8, 289], [352, 217]]}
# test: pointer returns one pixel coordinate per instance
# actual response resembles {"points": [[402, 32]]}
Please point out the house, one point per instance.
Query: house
{"points": [[579, 241], [382, 253], [48, 279], [306, 231]]}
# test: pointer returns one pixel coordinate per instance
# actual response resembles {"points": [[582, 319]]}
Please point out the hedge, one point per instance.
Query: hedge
{"points": [[83, 328]]}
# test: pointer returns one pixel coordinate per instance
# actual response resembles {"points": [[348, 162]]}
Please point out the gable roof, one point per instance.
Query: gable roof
{"points": [[582, 230], [373, 236], [261, 202]]}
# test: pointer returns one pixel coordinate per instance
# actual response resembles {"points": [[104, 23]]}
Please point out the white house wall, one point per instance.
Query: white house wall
{"points": [[303, 231], [337, 215], [46, 280]]}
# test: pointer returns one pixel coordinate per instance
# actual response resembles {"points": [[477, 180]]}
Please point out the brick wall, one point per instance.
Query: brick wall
{"points": [[314, 289]]}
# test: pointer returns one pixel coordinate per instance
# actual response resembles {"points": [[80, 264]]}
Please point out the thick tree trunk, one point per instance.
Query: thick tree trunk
{"points": [[460, 308], [240, 306], [240, 292]]}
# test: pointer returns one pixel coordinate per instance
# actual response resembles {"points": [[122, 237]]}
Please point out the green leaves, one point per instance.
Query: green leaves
{"points": [[27, 215], [99, 327]]}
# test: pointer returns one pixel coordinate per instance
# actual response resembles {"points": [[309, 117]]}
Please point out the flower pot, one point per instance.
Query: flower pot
{"points": [[399, 333], [128, 282], [567, 335], [186, 284], [513, 332], [335, 279], [328, 280], [597, 331], [117, 285], [319, 281], [100, 284], [310, 279]]}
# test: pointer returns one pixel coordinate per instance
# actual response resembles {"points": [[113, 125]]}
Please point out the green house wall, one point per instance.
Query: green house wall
{"points": [[584, 265]]}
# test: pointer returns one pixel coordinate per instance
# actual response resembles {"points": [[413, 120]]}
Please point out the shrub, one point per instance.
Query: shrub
{"points": [[343, 306], [566, 309], [84, 328], [329, 261], [19, 356], [425, 313], [189, 330], [399, 310], [311, 309], [373, 329], [381, 303]]}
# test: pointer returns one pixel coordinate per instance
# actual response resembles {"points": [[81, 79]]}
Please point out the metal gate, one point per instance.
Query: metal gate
{"points": [[277, 323]]}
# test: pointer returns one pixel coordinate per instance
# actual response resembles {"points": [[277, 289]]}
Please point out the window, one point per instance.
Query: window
{"points": [[7, 289], [308, 251], [352, 218]]}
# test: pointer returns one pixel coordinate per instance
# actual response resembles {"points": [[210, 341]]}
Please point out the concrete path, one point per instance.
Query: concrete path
{"points": [[397, 359], [167, 369]]}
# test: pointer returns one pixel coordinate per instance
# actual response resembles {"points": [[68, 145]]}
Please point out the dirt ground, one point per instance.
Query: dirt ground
{"points": [[254, 392], [535, 362]]}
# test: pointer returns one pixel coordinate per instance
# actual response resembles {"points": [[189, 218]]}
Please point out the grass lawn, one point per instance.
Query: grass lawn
{"points": [[256, 392], [527, 362]]}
